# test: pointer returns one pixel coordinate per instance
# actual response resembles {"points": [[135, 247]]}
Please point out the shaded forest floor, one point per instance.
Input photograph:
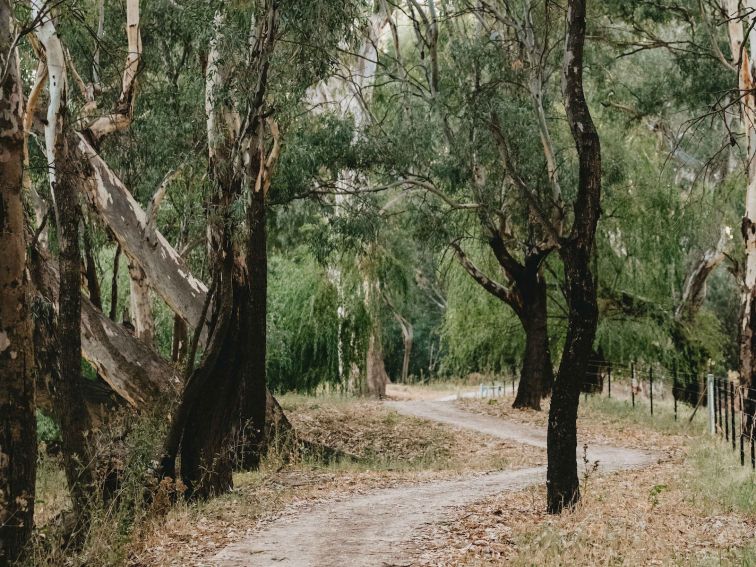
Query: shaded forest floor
{"points": [[695, 505]]}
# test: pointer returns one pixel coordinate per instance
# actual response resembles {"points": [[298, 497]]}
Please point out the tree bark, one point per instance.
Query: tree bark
{"points": [[114, 284], [738, 13], [537, 374], [222, 414], [68, 399], [139, 300], [253, 416], [526, 296], [562, 484], [18, 437]]}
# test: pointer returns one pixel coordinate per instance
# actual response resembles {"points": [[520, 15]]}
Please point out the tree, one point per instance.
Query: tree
{"points": [[68, 400], [562, 483], [18, 434]]}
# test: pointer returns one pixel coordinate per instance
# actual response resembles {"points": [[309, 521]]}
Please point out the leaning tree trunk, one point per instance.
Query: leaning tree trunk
{"points": [[562, 484], [537, 375], [18, 436]]}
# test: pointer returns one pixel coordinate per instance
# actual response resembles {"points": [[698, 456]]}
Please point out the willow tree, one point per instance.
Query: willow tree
{"points": [[18, 439]]}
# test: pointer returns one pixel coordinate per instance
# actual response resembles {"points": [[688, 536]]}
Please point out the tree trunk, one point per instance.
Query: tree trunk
{"points": [[744, 57], [141, 309], [68, 399], [253, 415], [376, 377], [180, 340], [408, 336], [537, 374], [167, 273], [18, 436], [114, 284], [563, 489]]}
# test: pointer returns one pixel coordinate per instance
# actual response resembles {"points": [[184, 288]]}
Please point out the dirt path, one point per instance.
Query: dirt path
{"points": [[367, 530]]}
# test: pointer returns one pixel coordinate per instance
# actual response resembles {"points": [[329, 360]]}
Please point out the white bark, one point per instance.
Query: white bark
{"points": [[121, 117], [56, 71], [741, 56], [167, 273], [139, 301], [694, 289]]}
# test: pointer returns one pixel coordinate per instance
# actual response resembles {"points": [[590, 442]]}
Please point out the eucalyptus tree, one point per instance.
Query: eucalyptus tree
{"points": [[18, 439], [244, 142], [739, 17]]}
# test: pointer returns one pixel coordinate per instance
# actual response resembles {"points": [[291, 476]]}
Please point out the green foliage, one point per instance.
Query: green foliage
{"points": [[303, 326], [47, 429]]}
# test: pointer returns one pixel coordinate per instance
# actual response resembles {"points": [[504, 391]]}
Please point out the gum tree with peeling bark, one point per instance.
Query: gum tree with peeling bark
{"points": [[18, 438]]}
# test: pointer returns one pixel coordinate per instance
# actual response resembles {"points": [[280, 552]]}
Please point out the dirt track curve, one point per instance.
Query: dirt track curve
{"points": [[368, 530]]}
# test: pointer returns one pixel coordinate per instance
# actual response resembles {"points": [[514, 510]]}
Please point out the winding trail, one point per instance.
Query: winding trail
{"points": [[367, 530]]}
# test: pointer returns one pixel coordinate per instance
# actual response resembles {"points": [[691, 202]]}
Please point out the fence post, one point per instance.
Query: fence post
{"points": [[723, 384], [674, 389], [719, 404], [609, 377], [732, 413], [651, 386], [632, 382], [710, 400]]}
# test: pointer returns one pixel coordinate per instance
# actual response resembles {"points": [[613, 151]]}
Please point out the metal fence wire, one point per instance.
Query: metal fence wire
{"points": [[731, 406]]}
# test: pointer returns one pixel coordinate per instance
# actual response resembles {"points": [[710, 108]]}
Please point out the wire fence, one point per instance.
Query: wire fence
{"points": [[731, 412]]}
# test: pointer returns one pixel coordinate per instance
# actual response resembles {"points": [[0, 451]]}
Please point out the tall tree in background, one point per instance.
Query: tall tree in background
{"points": [[576, 250], [18, 438]]}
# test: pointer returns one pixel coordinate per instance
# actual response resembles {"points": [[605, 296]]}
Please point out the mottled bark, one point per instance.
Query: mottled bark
{"points": [[140, 306], [562, 484], [132, 369], [18, 440]]}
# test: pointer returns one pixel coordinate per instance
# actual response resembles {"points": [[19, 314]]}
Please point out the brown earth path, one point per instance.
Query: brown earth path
{"points": [[369, 529]]}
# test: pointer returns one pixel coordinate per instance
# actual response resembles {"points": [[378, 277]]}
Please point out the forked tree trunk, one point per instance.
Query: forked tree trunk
{"points": [[562, 483], [222, 415], [18, 439], [537, 374]]}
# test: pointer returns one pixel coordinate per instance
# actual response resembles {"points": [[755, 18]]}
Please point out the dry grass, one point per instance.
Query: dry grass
{"points": [[697, 507], [51, 494], [381, 438], [608, 421]]}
